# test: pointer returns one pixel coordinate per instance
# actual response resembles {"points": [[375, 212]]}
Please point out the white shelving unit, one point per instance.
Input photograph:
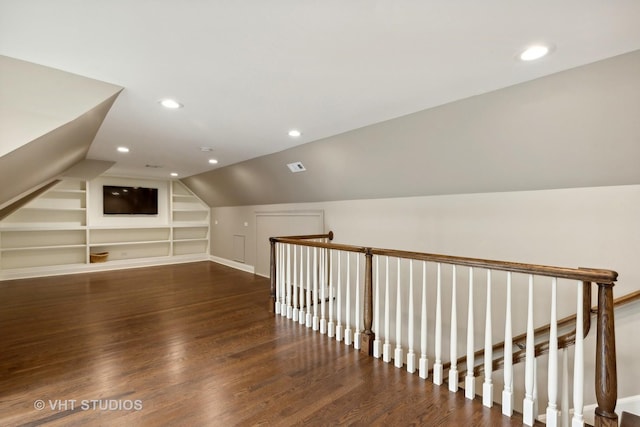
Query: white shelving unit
{"points": [[190, 219], [50, 234], [49, 230]]}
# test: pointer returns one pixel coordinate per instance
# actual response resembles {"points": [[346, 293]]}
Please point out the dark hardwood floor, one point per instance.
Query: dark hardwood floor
{"points": [[193, 345]]}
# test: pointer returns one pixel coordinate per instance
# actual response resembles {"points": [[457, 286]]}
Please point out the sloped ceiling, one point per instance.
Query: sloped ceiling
{"points": [[248, 71], [577, 128], [49, 120]]}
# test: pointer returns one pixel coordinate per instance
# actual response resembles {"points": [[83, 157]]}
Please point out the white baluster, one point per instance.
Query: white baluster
{"points": [[386, 348], [323, 296], [453, 370], [348, 332], [357, 335], [283, 287], [411, 356], [398, 356], [564, 403], [331, 326], [553, 415], [315, 290], [301, 314], [339, 329], [578, 365], [469, 380], [278, 278], [377, 343], [487, 386], [528, 414], [437, 365], [424, 362], [507, 393], [309, 319], [535, 389], [294, 283], [289, 284]]}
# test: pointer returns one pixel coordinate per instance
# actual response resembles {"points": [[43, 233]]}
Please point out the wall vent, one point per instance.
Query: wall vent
{"points": [[296, 167]]}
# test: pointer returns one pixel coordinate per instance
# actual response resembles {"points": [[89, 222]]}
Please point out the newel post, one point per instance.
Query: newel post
{"points": [[606, 376], [368, 336], [272, 273]]}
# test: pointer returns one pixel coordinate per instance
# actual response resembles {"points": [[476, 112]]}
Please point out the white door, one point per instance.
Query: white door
{"points": [[276, 224]]}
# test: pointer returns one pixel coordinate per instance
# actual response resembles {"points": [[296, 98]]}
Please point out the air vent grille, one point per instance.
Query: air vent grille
{"points": [[296, 167]]}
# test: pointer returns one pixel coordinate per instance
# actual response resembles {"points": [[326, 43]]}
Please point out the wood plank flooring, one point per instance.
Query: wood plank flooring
{"points": [[193, 345]]}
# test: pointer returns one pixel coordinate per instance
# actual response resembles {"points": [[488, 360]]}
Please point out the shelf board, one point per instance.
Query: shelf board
{"points": [[145, 242], [200, 239], [45, 227], [27, 208], [62, 190], [120, 227], [39, 248], [25, 226], [190, 224]]}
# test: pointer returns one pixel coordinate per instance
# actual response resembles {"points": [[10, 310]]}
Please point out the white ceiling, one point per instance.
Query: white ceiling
{"points": [[248, 71]]}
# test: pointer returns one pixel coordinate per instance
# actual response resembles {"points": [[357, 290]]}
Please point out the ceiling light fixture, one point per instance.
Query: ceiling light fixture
{"points": [[174, 173], [294, 133], [171, 104], [123, 149], [213, 161], [534, 52]]}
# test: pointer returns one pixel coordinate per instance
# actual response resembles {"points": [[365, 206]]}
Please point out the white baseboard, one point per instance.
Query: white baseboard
{"points": [[233, 264], [59, 270]]}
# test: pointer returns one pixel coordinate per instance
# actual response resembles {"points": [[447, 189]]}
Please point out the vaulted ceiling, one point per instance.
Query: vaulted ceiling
{"points": [[49, 118], [248, 72]]}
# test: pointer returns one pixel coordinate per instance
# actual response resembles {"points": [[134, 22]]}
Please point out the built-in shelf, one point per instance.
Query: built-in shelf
{"points": [[51, 233]]}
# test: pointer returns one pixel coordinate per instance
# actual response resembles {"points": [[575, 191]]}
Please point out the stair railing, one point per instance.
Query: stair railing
{"points": [[307, 275]]}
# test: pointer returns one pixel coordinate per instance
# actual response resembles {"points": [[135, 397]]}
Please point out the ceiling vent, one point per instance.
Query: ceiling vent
{"points": [[153, 166], [296, 167]]}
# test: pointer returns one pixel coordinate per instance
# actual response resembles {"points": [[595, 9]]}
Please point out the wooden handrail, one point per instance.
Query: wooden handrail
{"points": [[328, 235], [580, 274], [606, 377]]}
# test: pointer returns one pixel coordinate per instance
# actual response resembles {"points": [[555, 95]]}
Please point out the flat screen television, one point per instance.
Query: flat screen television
{"points": [[119, 200]]}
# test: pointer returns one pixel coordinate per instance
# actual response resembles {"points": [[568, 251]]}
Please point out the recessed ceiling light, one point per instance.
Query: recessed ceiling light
{"points": [[294, 133], [123, 149], [174, 174], [534, 52], [213, 161], [172, 104]]}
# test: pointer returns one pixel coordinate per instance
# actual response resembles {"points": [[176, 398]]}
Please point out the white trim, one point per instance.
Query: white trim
{"points": [[233, 264], [58, 270]]}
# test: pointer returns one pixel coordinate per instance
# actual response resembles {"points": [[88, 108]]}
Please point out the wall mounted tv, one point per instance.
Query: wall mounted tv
{"points": [[118, 200]]}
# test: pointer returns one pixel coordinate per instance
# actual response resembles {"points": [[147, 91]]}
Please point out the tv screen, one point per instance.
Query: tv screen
{"points": [[118, 200]]}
